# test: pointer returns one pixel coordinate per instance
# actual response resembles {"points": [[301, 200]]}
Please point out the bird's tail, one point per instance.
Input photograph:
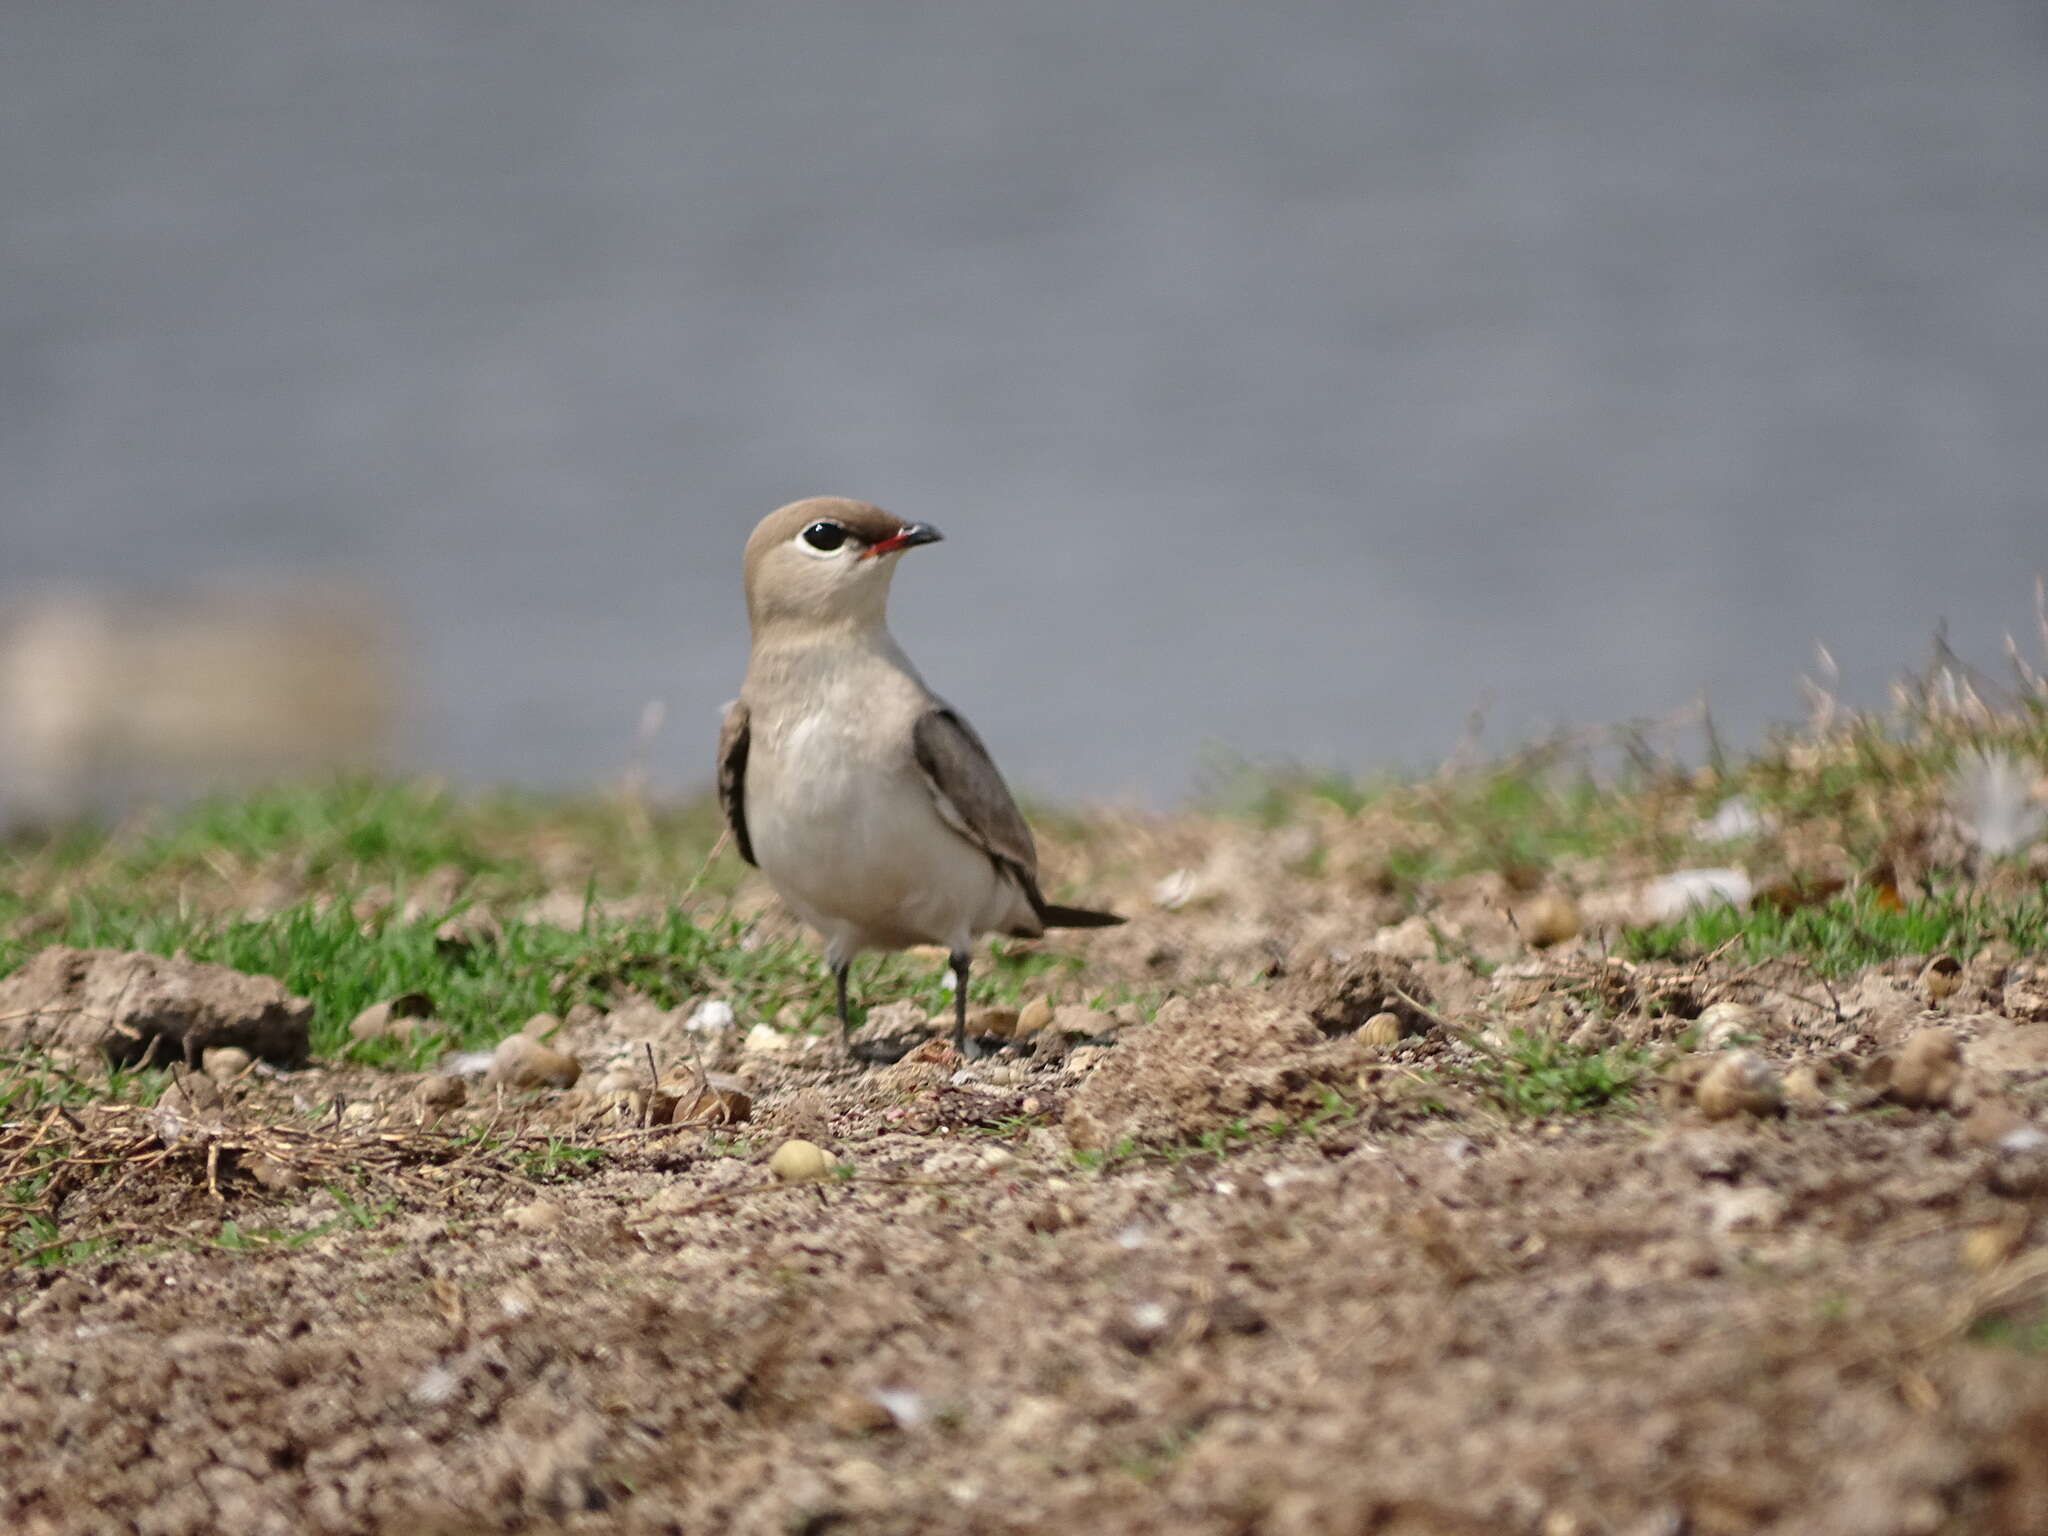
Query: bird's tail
{"points": [[1075, 917]]}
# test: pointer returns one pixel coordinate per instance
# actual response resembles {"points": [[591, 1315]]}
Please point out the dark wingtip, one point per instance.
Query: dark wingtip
{"points": [[1076, 917]]}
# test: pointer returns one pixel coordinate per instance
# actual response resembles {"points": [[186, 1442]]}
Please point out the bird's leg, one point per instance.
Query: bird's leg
{"points": [[962, 959], [839, 970]]}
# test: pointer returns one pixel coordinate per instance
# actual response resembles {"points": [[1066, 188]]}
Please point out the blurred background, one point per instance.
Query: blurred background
{"points": [[397, 380]]}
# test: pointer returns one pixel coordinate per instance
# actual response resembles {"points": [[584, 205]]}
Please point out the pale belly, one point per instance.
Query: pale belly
{"points": [[869, 864]]}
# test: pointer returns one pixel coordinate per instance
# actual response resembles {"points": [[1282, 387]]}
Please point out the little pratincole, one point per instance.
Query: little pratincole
{"points": [[871, 806]]}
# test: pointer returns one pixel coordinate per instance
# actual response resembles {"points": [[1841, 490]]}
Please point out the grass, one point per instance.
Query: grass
{"points": [[488, 988], [1848, 932], [1540, 1078], [1223, 1140], [2026, 1336]]}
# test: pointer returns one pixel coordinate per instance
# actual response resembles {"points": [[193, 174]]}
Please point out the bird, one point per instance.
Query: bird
{"points": [[868, 802]]}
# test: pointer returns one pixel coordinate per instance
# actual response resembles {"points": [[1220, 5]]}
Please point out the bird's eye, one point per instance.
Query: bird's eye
{"points": [[824, 537]]}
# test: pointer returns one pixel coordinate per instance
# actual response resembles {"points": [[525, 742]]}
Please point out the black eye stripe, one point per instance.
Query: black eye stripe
{"points": [[825, 536]]}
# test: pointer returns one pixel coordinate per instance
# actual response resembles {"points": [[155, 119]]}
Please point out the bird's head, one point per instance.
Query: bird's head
{"points": [[827, 561]]}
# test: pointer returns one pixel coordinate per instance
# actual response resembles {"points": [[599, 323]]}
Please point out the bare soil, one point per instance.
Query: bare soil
{"points": [[1235, 1272]]}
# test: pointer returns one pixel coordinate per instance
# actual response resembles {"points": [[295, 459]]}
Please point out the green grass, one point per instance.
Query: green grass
{"points": [[351, 833], [1541, 1078], [2026, 1336], [1220, 1141], [557, 1161], [1848, 932], [484, 990]]}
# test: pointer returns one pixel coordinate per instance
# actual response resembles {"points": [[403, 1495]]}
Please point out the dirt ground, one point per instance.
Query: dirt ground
{"points": [[1230, 1270]]}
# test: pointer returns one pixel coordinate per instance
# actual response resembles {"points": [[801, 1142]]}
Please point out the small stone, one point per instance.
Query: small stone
{"points": [[1033, 1016], [724, 1101], [538, 1216], [857, 1413], [522, 1062], [1086, 1058], [192, 1094], [1748, 1207], [540, 1026], [225, 1063], [1740, 1083], [1990, 1120], [1722, 1025], [1802, 1087], [1985, 1248], [1940, 977], [649, 1106], [714, 1013], [1140, 1328], [271, 1175], [2019, 1165], [992, 1023], [798, 1162], [766, 1040], [1079, 1023], [471, 928], [1230, 1313], [441, 1091], [1548, 919], [360, 1115], [1381, 1029], [1989, 967], [401, 1016], [1927, 1070]]}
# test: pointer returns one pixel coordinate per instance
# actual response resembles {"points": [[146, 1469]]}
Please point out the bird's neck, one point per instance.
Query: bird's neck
{"points": [[794, 660]]}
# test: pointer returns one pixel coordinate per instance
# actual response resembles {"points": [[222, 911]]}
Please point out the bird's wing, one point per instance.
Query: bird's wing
{"points": [[734, 736], [971, 796]]}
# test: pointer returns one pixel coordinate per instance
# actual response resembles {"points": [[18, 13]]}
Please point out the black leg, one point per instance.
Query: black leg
{"points": [[839, 971], [962, 959]]}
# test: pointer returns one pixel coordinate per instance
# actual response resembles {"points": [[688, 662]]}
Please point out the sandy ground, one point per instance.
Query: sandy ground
{"points": [[1233, 1270]]}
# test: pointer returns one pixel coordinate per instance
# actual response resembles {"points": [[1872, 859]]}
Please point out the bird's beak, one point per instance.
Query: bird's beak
{"points": [[909, 536]]}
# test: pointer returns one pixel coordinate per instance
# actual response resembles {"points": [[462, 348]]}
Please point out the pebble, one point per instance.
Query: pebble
{"points": [[540, 1026], [992, 1023], [1941, 976], [1079, 1023], [1802, 1086], [192, 1094], [724, 1101], [1740, 1083], [1034, 1016], [858, 1413], [1985, 1248], [520, 1061], [1548, 919], [441, 1091], [1927, 1070], [402, 1016], [1990, 1120], [1380, 1029], [798, 1162], [765, 1039], [538, 1216], [712, 1013], [650, 1106], [1140, 1328], [1087, 1058], [2019, 1168], [225, 1063], [1721, 1023], [271, 1175]]}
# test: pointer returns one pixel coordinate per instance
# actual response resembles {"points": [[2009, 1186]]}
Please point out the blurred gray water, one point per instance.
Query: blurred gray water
{"points": [[1288, 378]]}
